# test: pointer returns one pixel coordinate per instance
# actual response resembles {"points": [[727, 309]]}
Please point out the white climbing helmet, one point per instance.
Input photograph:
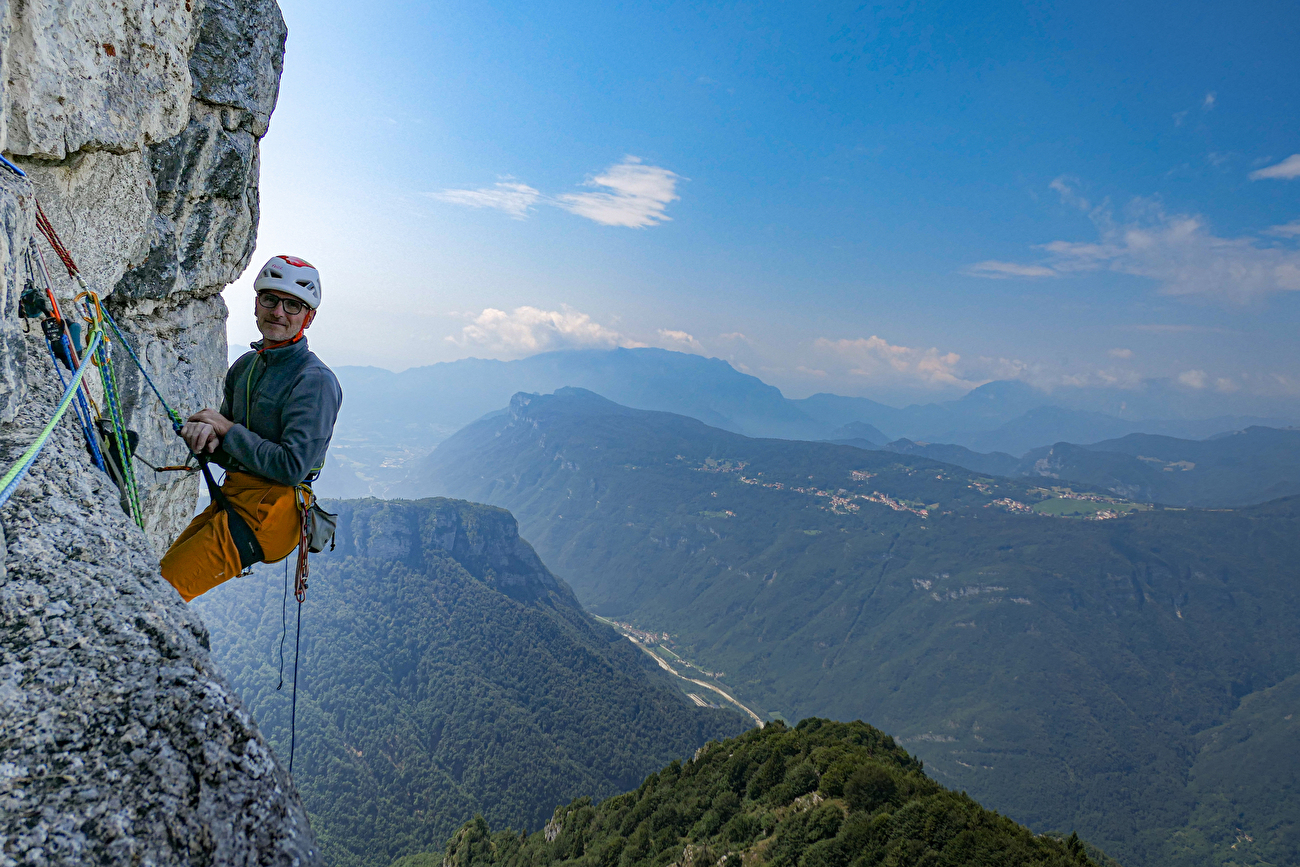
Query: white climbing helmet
{"points": [[292, 276]]}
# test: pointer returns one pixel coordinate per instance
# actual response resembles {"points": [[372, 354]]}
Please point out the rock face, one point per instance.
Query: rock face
{"points": [[137, 124]]}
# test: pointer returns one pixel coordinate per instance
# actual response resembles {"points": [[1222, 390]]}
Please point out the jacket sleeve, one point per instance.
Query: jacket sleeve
{"points": [[308, 416], [227, 409]]}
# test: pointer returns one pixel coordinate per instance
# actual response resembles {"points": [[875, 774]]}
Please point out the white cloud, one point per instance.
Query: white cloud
{"points": [[1287, 170], [1121, 353], [679, 340], [876, 358], [1065, 187], [1225, 385], [1177, 251], [1208, 102], [514, 198], [529, 330], [635, 195], [995, 270], [1286, 230], [1193, 378], [630, 194]]}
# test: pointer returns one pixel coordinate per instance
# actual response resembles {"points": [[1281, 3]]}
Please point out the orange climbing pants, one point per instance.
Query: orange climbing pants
{"points": [[203, 555]]}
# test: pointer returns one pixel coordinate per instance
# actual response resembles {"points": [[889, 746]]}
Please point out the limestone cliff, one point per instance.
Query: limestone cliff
{"points": [[138, 124]]}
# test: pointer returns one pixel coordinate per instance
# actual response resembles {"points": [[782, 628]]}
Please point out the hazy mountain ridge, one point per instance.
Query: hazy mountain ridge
{"points": [[391, 419], [445, 673], [1239, 468], [1028, 659]]}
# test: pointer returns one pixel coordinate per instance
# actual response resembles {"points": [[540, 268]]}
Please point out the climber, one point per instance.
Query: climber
{"points": [[270, 435]]}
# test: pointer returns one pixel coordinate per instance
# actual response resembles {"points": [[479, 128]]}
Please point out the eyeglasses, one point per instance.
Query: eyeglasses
{"points": [[269, 300]]}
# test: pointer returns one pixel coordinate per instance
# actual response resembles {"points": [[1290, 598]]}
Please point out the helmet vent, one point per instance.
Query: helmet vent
{"points": [[276, 274], [306, 284]]}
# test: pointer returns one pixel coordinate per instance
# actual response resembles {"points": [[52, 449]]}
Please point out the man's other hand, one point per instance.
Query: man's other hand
{"points": [[203, 431]]}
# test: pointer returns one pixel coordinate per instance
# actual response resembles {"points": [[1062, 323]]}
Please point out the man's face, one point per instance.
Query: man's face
{"points": [[275, 324]]}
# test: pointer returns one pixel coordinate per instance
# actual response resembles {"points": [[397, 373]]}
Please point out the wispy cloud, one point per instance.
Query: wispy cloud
{"points": [[514, 198], [1177, 251], [1209, 101], [529, 330], [1199, 380], [630, 194], [1176, 329], [1287, 170], [1287, 230], [1121, 353], [679, 340], [1066, 187], [996, 270]]}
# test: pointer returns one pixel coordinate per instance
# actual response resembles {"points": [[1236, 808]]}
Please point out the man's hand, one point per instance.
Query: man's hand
{"points": [[203, 431]]}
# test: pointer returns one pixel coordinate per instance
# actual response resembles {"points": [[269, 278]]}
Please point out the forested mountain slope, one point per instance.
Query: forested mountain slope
{"points": [[821, 795], [1236, 469], [1061, 670], [445, 673]]}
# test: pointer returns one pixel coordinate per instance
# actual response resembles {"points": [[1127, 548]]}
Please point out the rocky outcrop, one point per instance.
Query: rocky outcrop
{"points": [[138, 126], [483, 539]]}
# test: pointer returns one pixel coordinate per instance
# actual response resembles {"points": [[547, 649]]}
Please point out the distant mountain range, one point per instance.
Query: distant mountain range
{"points": [[1098, 674], [1236, 469], [388, 419], [445, 673]]}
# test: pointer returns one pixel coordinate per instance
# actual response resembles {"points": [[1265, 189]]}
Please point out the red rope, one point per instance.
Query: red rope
{"points": [[47, 229], [300, 573]]}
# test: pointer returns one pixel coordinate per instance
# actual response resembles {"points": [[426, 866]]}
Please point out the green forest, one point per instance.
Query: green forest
{"points": [[1109, 676], [444, 673], [822, 794]]}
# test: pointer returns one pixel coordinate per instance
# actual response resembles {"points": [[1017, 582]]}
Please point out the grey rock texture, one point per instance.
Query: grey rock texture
{"points": [[157, 204], [120, 743], [15, 224]]}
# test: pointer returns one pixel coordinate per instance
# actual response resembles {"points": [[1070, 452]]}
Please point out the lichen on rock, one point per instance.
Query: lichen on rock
{"points": [[138, 125]]}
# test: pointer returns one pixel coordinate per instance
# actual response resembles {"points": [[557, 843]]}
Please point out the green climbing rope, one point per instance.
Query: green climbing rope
{"points": [[9, 482]]}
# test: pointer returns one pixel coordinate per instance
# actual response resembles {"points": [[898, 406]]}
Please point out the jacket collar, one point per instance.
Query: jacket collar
{"points": [[280, 354]]}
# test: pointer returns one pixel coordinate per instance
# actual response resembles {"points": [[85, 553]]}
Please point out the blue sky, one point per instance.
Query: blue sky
{"points": [[898, 201]]}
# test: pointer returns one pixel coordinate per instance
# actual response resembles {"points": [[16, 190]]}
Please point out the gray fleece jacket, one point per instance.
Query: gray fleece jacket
{"points": [[284, 403]]}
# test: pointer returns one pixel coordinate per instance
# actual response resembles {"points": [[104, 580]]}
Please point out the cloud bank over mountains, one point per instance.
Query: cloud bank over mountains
{"points": [[530, 330], [854, 365], [630, 194]]}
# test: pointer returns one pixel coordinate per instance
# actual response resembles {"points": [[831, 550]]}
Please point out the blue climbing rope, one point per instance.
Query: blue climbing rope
{"points": [[11, 167], [80, 407], [9, 482], [175, 418]]}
